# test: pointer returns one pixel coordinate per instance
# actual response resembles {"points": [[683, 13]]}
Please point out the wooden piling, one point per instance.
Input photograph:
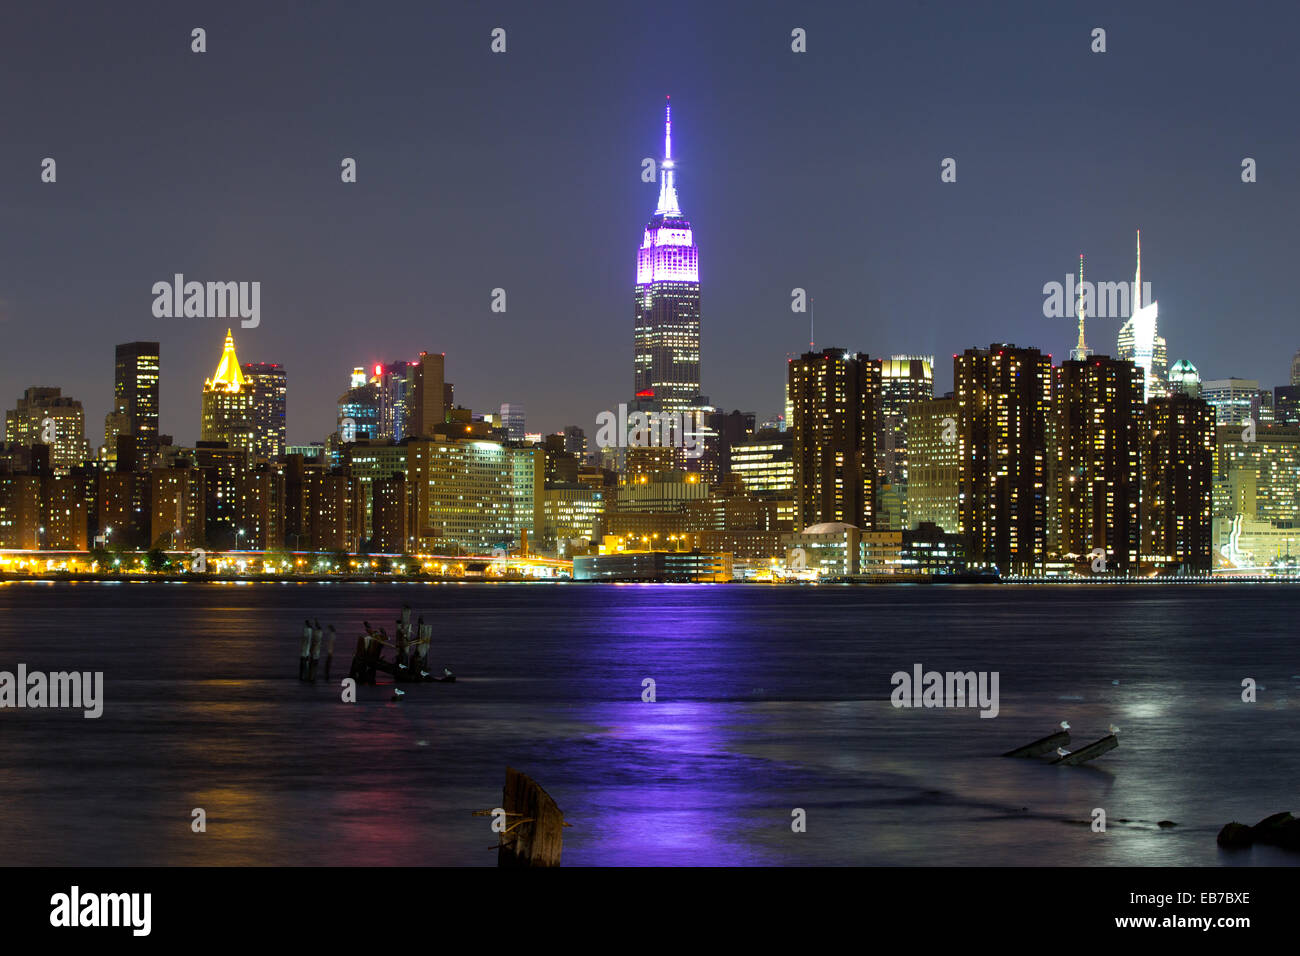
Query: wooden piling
{"points": [[534, 833], [1041, 746], [1109, 742]]}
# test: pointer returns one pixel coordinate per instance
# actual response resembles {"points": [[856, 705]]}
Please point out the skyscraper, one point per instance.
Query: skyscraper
{"points": [[514, 418], [932, 466], [45, 416], [667, 299], [270, 391], [396, 381], [1184, 379], [135, 396], [1004, 397], [360, 411], [1178, 473], [1231, 398], [1286, 404], [427, 396], [904, 380], [1099, 434], [834, 394], [228, 403], [1139, 341]]}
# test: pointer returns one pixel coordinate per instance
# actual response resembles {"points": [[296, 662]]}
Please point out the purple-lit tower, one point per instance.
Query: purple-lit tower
{"points": [[667, 342]]}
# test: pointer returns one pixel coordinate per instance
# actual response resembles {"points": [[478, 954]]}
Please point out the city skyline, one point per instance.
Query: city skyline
{"points": [[773, 434], [856, 234]]}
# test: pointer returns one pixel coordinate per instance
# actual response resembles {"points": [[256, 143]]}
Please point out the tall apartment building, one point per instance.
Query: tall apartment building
{"points": [[270, 384], [904, 381], [428, 399], [45, 416], [135, 397], [833, 394], [932, 476], [1178, 474], [1099, 438], [1004, 397]]}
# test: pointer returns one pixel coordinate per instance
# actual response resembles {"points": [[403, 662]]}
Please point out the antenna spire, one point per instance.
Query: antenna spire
{"points": [[667, 190], [1080, 351], [1137, 283]]}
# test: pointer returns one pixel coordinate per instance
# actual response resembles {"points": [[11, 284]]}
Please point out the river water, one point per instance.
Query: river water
{"points": [[768, 700]]}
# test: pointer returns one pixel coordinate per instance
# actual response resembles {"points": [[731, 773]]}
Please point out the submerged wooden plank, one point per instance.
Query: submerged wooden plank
{"points": [[535, 825], [1090, 752], [1041, 746]]}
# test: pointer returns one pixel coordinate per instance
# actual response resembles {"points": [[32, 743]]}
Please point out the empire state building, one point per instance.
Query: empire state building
{"points": [[667, 336]]}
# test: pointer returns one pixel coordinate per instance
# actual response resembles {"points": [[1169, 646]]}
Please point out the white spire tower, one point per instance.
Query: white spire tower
{"points": [[1080, 351], [1140, 329], [667, 190]]}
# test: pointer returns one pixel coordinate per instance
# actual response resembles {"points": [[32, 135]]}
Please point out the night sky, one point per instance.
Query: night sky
{"points": [[522, 171]]}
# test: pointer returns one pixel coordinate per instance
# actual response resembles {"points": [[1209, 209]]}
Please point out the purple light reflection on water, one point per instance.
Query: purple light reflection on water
{"points": [[768, 698]]}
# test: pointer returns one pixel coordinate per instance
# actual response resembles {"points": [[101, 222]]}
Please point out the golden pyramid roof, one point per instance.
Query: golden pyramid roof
{"points": [[228, 373]]}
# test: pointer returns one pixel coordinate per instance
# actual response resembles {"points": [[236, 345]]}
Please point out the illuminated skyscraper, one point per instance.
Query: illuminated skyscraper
{"points": [[135, 397], [1177, 480], [1004, 397], [667, 307], [1099, 434], [45, 416], [834, 394], [1286, 405], [396, 381], [360, 413], [1184, 379], [270, 392], [514, 418], [1231, 398], [228, 398], [932, 466], [1139, 342], [904, 380]]}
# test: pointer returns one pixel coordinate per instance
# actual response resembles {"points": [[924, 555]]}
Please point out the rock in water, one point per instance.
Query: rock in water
{"points": [[1280, 830], [1235, 836]]}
